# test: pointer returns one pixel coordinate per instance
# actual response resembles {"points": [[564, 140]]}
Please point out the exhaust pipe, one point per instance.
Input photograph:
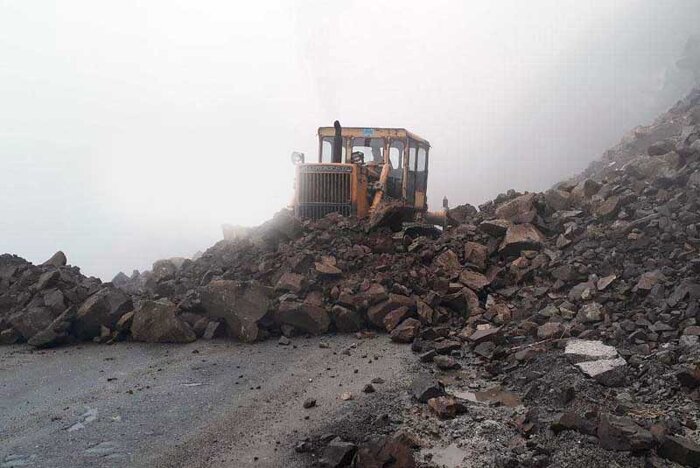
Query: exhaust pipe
{"points": [[337, 156]]}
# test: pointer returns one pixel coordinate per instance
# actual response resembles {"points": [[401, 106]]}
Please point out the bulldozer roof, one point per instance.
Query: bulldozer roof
{"points": [[372, 132]]}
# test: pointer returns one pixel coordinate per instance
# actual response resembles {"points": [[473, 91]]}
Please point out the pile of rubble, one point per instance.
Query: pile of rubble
{"points": [[584, 299]]}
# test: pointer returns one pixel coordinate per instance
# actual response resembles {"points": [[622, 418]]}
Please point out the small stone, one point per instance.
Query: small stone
{"points": [[369, 388], [345, 396], [284, 341], [309, 403]]}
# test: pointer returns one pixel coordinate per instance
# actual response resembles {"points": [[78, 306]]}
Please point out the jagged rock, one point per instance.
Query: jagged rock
{"points": [[557, 200], [406, 331], [448, 262], [105, 307], [391, 451], [495, 227], [485, 334], [476, 254], [120, 280], [9, 336], [57, 333], [241, 305], [521, 237], [588, 350], [157, 322], [518, 210], [446, 407], [328, 269], [58, 260], [378, 312], [623, 434], [473, 280], [609, 208], [48, 280], [445, 362], [337, 454], [424, 387], [305, 316], [291, 282], [346, 320], [395, 317], [550, 330], [682, 451], [609, 372], [591, 312]]}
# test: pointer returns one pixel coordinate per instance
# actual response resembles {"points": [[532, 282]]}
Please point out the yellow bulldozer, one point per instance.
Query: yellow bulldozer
{"points": [[380, 173]]}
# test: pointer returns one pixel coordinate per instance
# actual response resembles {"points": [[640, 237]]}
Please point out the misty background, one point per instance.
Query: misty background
{"points": [[130, 131]]}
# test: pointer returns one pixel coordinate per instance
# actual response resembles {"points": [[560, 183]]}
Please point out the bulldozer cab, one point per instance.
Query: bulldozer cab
{"points": [[359, 169]]}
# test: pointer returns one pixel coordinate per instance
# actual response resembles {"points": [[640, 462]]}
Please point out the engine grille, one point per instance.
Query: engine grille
{"points": [[324, 189]]}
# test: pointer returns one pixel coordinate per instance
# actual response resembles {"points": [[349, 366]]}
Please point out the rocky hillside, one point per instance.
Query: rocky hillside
{"points": [[583, 300]]}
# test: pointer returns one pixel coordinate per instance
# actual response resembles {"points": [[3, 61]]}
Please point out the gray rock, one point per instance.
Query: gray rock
{"points": [[157, 322], [425, 387]]}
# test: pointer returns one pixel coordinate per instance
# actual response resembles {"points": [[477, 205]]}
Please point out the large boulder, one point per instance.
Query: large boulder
{"points": [[622, 434], [346, 320], [157, 322], [241, 305], [104, 308], [57, 333], [378, 312], [305, 316], [39, 313], [58, 260], [518, 210], [521, 237]]}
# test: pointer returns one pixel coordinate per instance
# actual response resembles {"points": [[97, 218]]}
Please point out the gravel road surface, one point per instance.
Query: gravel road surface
{"points": [[212, 403]]}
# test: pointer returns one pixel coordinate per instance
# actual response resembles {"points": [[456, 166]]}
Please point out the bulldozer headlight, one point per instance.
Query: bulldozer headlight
{"points": [[297, 158]]}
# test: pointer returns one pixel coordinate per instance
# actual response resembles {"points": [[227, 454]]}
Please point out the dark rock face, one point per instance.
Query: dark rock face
{"points": [[619, 433], [425, 387], [104, 308]]}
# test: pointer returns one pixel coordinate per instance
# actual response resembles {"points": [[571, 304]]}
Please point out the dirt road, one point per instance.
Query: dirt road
{"points": [[204, 404]]}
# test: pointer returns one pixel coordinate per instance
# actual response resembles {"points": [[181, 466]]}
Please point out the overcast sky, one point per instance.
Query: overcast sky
{"points": [[131, 130]]}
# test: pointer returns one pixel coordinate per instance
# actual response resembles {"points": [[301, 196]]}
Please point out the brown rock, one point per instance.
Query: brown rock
{"points": [[550, 330], [377, 312], [486, 334], [476, 254], [396, 316], [346, 320], [291, 282], [622, 434], [609, 208], [494, 227], [521, 237], [473, 280], [445, 407], [448, 262], [406, 331], [305, 316], [518, 210], [157, 322], [241, 305], [388, 451], [328, 269]]}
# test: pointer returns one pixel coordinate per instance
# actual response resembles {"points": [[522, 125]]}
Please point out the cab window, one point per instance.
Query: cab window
{"points": [[327, 150], [372, 148]]}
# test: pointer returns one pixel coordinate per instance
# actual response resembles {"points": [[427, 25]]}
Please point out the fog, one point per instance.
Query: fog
{"points": [[130, 131]]}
